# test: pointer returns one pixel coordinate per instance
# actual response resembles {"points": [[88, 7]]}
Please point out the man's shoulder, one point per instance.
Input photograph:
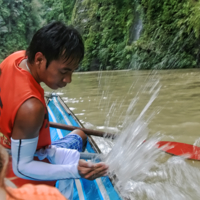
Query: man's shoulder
{"points": [[18, 53], [14, 56], [29, 119], [31, 110], [33, 105]]}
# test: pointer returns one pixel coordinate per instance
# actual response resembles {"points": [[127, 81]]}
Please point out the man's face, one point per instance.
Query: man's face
{"points": [[58, 73]]}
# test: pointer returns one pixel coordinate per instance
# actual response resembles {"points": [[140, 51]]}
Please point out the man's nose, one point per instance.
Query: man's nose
{"points": [[68, 78]]}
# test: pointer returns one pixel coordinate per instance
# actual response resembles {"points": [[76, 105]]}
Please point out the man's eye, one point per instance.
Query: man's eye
{"points": [[63, 72]]}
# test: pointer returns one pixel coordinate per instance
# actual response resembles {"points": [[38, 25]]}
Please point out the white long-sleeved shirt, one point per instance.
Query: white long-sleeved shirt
{"points": [[63, 162]]}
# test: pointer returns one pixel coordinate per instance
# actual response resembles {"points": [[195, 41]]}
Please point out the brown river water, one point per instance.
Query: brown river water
{"points": [[91, 95], [101, 99]]}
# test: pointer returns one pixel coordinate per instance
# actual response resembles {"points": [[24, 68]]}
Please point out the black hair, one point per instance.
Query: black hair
{"points": [[55, 41]]}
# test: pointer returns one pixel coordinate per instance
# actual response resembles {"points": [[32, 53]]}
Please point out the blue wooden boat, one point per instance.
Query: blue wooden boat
{"points": [[99, 189]]}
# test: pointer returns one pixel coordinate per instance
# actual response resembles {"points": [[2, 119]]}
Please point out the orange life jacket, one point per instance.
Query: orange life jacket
{"points": [[16, 86], [33, 192]]}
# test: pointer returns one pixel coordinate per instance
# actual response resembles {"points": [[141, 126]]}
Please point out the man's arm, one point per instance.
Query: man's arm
{"points": [[28, 121]]}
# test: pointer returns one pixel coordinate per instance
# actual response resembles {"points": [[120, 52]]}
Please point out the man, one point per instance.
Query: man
{"points": [[52, 56]]}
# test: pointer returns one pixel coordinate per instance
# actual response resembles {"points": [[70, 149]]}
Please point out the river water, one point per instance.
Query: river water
{"points": [[114, 100]]}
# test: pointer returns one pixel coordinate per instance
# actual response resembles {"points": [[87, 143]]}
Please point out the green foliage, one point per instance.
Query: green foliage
{"points": [[58, 10], [193, 21], [18, 21], [53, 10], [105, 26], [171, 35], [68, 6]]}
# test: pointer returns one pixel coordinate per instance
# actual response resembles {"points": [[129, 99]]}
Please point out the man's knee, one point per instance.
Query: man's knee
{"points": [[81, 134]]}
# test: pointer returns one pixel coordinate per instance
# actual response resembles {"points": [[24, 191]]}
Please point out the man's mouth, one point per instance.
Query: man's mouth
{"points": [[61, 86]]}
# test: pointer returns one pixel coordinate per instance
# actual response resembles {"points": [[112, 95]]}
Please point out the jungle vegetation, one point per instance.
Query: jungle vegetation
{"points": [[170, 36]]}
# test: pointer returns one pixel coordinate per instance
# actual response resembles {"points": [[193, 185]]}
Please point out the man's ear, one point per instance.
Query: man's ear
{"points": [[40, 59]]}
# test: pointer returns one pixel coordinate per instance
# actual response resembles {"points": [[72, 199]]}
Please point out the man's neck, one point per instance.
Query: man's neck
{"points": [[26, 66]]}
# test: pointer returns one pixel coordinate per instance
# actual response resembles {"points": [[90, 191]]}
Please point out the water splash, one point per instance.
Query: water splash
{"points": [[174, 179], [142, 171], [130, 157]]}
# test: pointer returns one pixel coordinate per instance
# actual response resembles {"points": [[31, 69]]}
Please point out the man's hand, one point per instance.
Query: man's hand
{"points": [[91, 171]]}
